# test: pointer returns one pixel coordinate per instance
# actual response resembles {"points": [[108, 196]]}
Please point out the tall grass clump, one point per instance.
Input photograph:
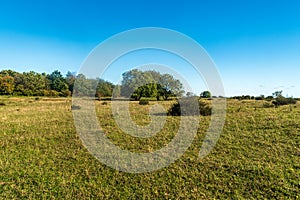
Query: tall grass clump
{"points": [[144, 102]]}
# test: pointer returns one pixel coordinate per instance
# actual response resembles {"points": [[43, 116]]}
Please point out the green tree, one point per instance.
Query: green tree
{"points": [[133, 82], [104, 88], [116, 91], [170, 87], [84, 86], [139, 84], [8, 72], [277, 94], [58, 83], [30, 83], [147, 90], [70, 80], [205, 94], [6, 85]]}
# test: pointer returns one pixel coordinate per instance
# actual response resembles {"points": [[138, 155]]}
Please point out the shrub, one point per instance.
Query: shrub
{"points": [[65, 93], [186, 106], [104, 103], [2, 104], [175, 110], [144, 102], [280, 100], [51, 93], [74, 107]]}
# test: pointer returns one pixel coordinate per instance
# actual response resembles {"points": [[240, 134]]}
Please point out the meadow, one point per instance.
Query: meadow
{"points": [[42, 157]]}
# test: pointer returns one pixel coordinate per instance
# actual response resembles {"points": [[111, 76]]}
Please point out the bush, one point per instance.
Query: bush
{"points": [[65, 93], [269, 98], [175, 110], [2, 104], [144, 102], [188, 104], [104, 103], [280, 101], [51, 93], [74, 107]]}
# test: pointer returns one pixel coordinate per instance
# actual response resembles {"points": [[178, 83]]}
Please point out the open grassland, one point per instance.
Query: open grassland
{"points": [[42, 157]]}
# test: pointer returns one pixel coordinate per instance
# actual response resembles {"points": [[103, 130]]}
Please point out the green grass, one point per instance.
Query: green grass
{"points": [[41, 156]]}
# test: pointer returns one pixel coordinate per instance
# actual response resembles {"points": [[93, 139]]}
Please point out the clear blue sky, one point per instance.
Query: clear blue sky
{"points": [[255, 44]]}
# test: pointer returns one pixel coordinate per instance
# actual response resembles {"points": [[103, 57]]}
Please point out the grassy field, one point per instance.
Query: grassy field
{"points": [[42, 157]]}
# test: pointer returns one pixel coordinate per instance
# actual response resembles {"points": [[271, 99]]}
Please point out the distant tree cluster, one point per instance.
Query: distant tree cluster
{"points": [[243, 97], [54, 84], [277, 99], [248, 97], [93, 87], [137, 84], [280, 100]]}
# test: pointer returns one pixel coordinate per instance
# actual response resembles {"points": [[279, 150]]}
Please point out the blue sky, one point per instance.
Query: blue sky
{"points": [[255, 44]]}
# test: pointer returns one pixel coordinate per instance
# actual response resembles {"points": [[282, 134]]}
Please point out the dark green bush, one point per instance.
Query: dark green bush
{"points": [[188, 106], [280, 101], [175, 110], [144, 102]]}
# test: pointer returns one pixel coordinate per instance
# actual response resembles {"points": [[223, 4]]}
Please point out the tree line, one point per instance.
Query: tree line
{"points": [[54, 84], [135, 84]]}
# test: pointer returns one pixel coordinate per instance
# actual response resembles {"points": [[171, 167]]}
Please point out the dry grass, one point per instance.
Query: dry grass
{"points": [[41, 156]]}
